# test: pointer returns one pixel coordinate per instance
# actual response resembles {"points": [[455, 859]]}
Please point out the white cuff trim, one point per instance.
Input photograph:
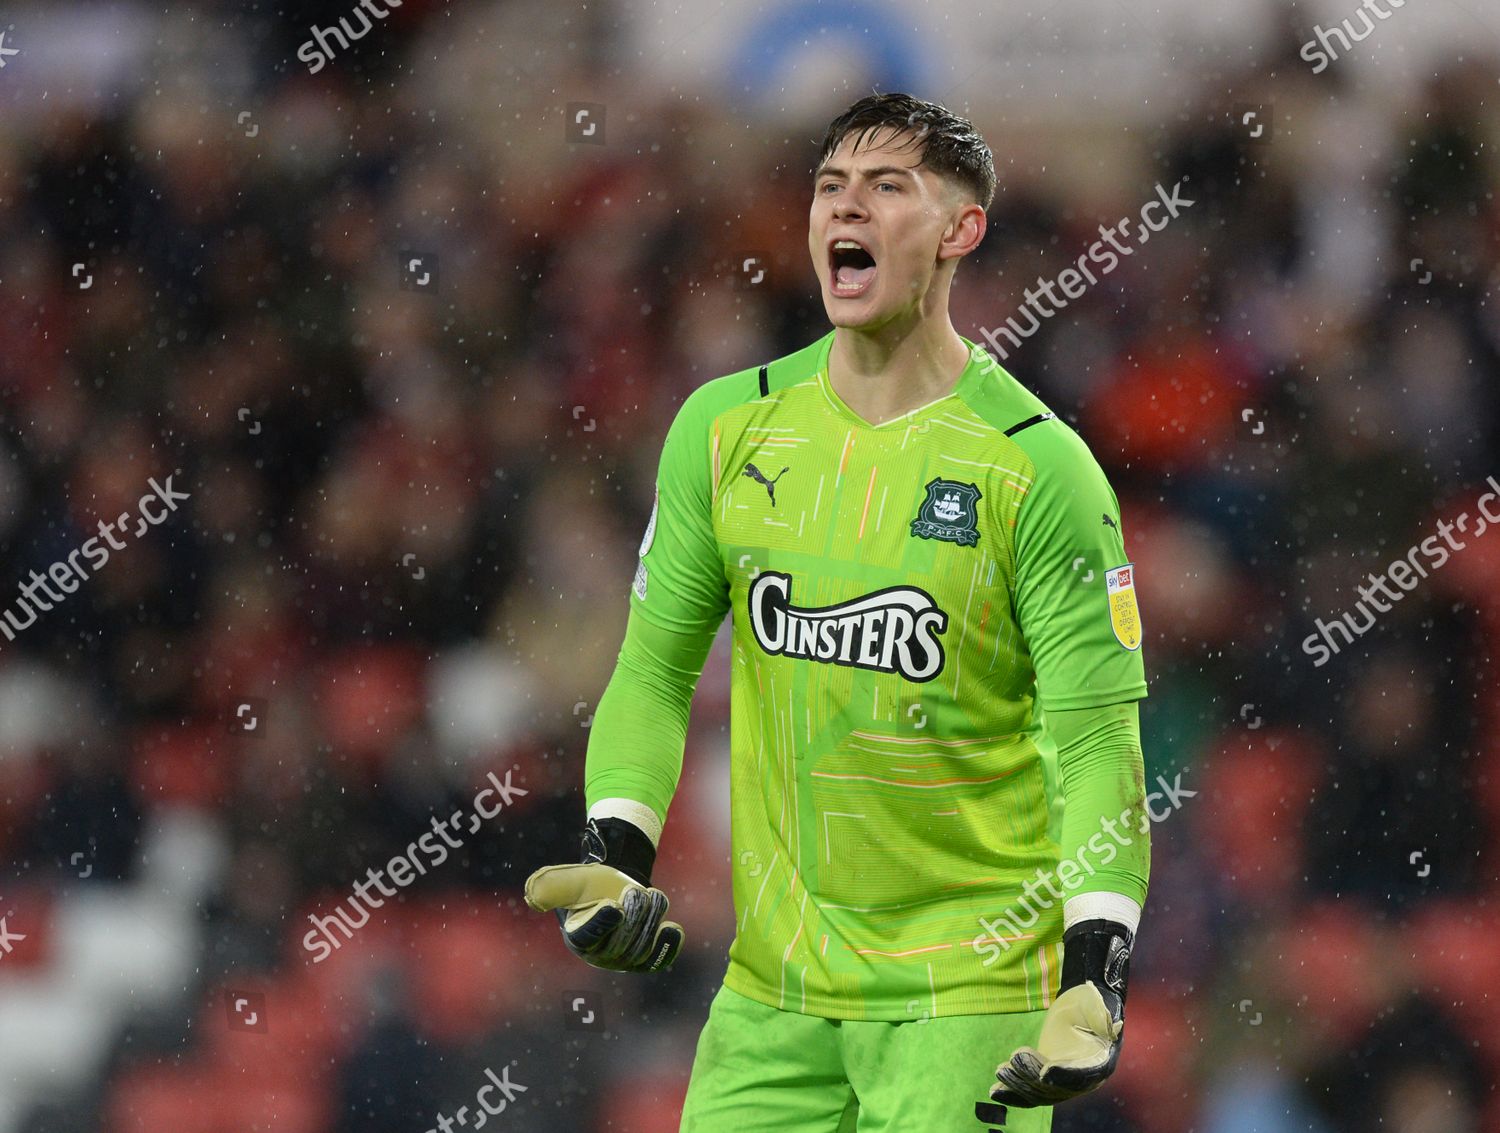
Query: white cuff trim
{"points": [[1107, 906], [638, 814]]}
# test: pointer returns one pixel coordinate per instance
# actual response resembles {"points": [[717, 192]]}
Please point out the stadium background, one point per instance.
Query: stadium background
{"points": [[415, 507]]}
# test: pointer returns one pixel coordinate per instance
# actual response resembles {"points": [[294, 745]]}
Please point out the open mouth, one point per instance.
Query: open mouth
{"points": [[853, 268]]}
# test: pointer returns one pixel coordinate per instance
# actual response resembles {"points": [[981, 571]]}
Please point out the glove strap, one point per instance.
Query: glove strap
{"points": [[620, 844], [1098, 951]]}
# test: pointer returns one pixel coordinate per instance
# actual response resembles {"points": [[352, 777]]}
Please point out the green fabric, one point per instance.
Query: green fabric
{"points": [[1099, 756], [640, 727], [904, 597], [1103, 777], [760, 1070]]}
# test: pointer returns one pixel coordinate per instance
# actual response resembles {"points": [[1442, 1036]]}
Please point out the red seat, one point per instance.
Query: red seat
{"points": [[1156, 1061], [460, 958], [1454, 960], [1175, 405], [343, 972], [369, 697], [152, 1099], [646, 1104], [1338, 960], [239, 1105], [24, 782], [189, 1099], [1258, 783], [304, 1030], [181, 764]]}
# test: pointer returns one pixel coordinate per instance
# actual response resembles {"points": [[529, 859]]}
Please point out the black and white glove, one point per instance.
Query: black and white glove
{"points": [[610, 914], [1083, 1029]]}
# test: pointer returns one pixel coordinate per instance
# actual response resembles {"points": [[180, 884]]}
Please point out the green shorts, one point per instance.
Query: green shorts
{"points": [[762, 1070]]}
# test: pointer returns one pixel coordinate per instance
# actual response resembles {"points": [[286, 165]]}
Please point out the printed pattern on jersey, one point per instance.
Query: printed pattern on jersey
{"points": [[891, 780]]}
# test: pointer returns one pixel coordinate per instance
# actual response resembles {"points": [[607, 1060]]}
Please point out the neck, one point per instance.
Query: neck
{"points": [[885, 373]]}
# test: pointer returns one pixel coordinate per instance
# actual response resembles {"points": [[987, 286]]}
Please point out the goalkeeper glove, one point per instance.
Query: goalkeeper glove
{"points": [[610, 915], [1083, 1028]]}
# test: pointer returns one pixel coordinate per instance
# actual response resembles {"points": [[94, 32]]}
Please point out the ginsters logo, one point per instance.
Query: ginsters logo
{"points": [[894, 630]]}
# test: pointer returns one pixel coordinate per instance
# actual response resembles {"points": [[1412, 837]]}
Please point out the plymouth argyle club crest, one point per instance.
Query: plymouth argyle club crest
{"points": [[949, 512]]}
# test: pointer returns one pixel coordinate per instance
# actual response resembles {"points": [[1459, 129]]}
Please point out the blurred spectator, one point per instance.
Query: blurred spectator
{"points": [[414, 515]]}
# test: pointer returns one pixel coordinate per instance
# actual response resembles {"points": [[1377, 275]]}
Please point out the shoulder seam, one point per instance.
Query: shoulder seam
{"points": [[1030, 421]]}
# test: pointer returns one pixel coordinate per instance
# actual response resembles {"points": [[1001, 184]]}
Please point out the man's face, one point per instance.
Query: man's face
{"points": [[895, 210]]}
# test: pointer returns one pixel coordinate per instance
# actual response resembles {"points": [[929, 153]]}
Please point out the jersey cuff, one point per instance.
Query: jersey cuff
{"points": [[637, 814], [1102, 906]]}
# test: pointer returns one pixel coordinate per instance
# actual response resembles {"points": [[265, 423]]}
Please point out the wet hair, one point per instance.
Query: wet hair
{"points": [[952, 147]]}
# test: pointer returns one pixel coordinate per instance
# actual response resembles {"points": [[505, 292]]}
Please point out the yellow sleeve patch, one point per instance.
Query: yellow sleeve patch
{"points": [[1124, 615]]}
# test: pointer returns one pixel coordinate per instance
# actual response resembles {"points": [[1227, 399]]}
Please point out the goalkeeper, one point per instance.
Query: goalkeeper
{"points": [[936, 664]]}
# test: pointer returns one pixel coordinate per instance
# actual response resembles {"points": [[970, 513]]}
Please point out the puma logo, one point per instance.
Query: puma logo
{"points": [[755, 474], [1111, 523]]}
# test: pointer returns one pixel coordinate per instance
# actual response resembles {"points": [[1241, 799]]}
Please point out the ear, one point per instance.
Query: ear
{"points": [[964, 232]]}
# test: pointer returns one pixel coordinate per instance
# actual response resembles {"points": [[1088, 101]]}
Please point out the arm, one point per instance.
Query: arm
{"points": [[1099, 753], [640, 728], [1075, 603], [609, 913], [679, 598], [1083, 635], [1103, 781]]}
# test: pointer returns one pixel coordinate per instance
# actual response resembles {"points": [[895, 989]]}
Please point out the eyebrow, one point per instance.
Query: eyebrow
{"points": [[878, 171]]}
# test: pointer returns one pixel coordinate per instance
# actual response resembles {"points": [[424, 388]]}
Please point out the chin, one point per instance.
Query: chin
{"points": [[848, 316], [854, 315], [847, 321]]}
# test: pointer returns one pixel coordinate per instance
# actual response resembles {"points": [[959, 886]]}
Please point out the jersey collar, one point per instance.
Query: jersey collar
{"points": [[974, 373]]}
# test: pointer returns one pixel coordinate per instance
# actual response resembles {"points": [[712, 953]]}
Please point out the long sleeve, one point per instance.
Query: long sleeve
{"points": [[677, 602], [640, 728], [1075, 602], [1105, 829]]}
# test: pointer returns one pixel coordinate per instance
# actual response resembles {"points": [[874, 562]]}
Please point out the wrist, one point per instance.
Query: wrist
{"points": [[620, 844], [1098, 951], [1102, 905], [636, 813]]}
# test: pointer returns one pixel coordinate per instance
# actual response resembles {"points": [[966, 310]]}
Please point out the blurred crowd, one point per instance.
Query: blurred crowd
{"points": [[411, 531]]}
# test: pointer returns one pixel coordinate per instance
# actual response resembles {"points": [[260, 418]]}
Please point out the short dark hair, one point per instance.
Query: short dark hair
{"points": [[952, 147]]}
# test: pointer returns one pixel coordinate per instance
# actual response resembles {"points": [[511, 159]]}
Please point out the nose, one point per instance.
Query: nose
{"points": [[848, 203]]}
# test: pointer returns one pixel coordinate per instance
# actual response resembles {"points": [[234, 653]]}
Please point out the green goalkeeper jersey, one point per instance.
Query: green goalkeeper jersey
{"points": [[907, 598]]}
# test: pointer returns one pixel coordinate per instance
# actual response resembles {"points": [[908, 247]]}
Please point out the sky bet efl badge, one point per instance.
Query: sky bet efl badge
{"points": [[1124, 616], [949, 513]]}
